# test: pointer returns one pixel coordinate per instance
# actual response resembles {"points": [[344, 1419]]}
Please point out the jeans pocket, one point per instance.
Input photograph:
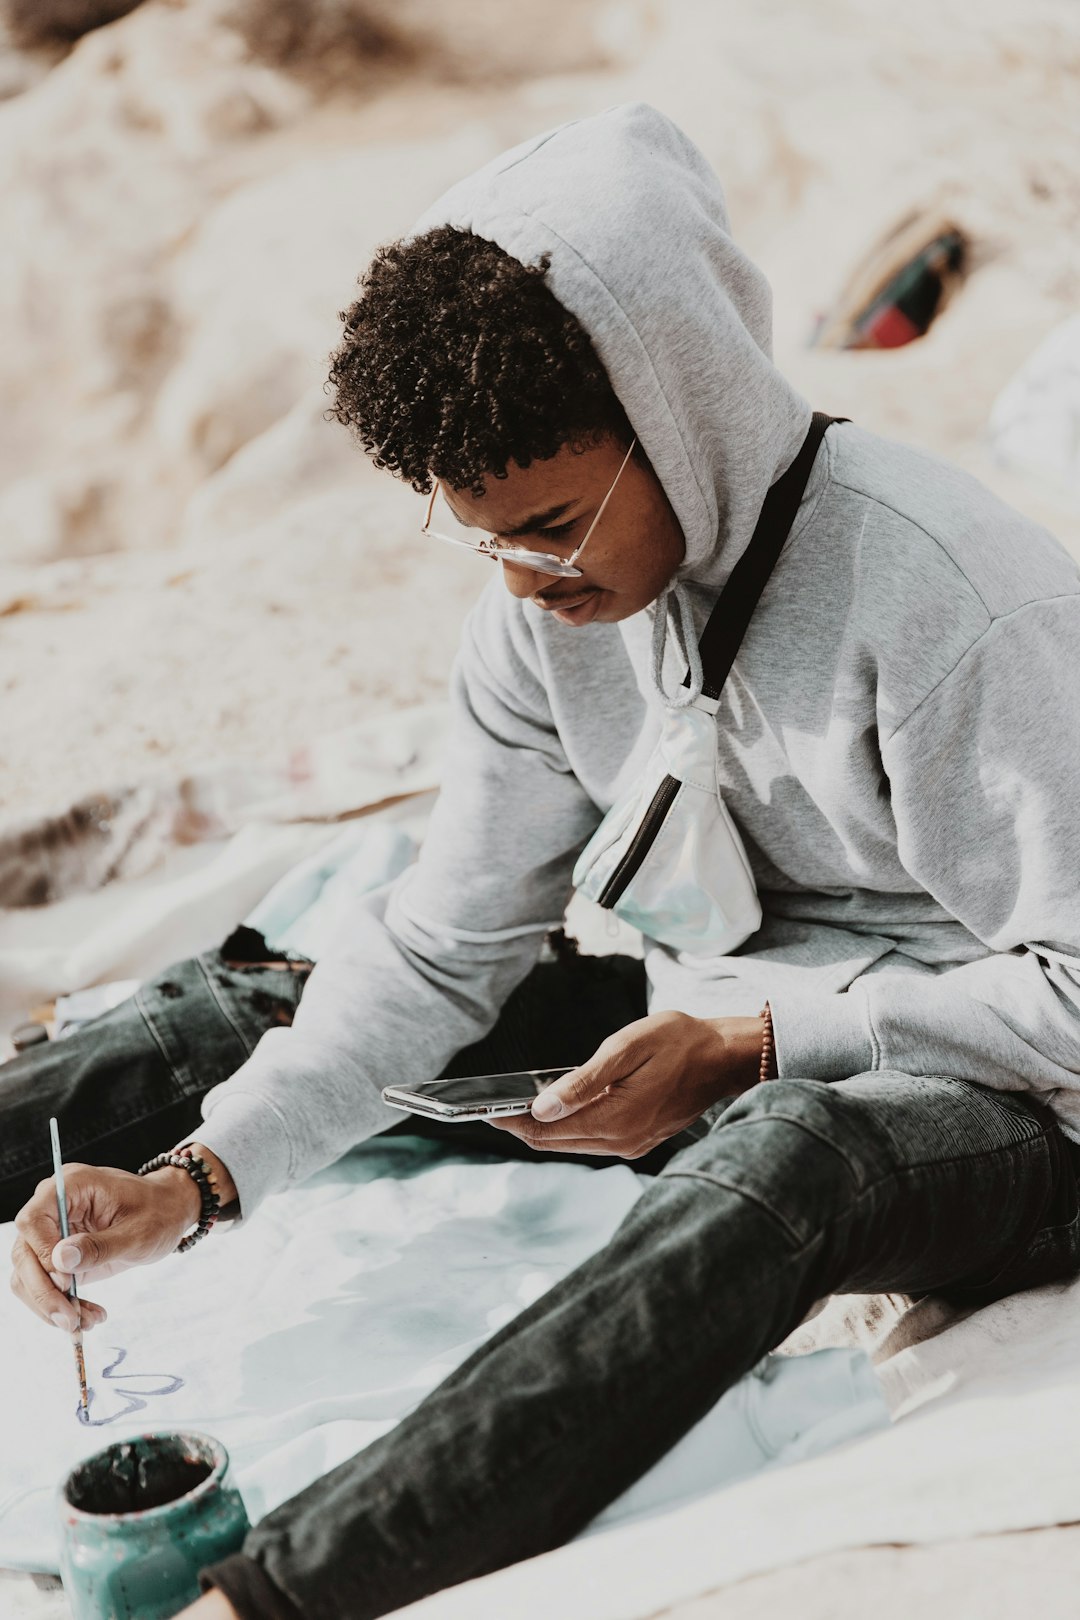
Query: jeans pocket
{"points": [[206, 1018]]}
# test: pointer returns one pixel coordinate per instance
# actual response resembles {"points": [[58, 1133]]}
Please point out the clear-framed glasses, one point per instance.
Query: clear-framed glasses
{"points": [[544, 562]]}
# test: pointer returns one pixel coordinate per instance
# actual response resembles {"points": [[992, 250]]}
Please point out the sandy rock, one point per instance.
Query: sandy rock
{"points": [[167, 262], [32, 527], [42, 519], [298, 456], [106, 166], [332, 43], [260, 287], [20, 68], [36, 23]]}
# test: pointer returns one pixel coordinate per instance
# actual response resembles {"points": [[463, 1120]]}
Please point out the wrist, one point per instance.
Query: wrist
{"points": [[739, 1053], [224, 1185], [183, 1195], [197, 1185]]}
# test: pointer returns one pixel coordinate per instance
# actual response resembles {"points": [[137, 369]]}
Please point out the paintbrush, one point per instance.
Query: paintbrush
{"points": [[72, 1293]]}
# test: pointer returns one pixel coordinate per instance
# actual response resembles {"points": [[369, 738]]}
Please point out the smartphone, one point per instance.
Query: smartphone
{"points": [[479, 1096]]}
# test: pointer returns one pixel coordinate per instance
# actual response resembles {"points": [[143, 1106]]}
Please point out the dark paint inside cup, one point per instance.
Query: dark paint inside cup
{"points": [[136, 1475]]}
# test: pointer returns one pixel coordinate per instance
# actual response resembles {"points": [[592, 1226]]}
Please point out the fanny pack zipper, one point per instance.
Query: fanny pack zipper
{"points": [[641, 843]]}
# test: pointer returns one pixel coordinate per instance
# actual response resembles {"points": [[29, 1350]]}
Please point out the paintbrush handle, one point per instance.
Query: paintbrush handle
{"points": [[61, 1209], [61, 1194]]}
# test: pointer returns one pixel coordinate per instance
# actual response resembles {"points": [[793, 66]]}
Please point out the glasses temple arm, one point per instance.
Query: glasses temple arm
{"points": [[574, 555], [430, 507]]}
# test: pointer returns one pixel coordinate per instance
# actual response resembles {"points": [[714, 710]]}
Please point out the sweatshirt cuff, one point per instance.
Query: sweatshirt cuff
{"points": [[249, 1589], [249, 1138], [822, 1037]]}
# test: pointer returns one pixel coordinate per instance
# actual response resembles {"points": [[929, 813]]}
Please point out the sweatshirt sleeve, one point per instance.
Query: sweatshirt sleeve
{"points": [[983, 776], [434, 955]]}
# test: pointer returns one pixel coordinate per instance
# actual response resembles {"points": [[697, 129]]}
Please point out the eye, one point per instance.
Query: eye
{"points": [[560, 533]]}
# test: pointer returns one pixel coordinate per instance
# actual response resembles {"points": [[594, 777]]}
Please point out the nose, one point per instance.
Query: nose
{"points": [[523, 582]]}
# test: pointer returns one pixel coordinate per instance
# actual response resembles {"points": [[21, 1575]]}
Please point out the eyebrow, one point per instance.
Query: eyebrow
{"points": [[539, 520]]}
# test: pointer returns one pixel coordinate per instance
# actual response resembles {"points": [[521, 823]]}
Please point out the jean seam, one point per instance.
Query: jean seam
{"points": [[174, 1074], [875, 1043], [904, 1170], [807, 1129], [864, 1192], [225, 1013], [752, 1198]]}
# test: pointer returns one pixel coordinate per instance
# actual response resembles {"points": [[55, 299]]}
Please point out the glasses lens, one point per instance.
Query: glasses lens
{"points": [[542, 561], [445, 526]]}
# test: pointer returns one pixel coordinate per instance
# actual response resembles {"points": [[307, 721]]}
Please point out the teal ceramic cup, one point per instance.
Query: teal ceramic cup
{"points": [[140, 1519]]}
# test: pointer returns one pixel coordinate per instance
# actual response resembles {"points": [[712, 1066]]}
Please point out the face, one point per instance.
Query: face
{"points": [[631, 555]]}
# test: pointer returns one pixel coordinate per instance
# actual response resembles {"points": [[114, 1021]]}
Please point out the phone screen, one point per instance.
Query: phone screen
{"points": [[490, 1088], [478, 1091]]}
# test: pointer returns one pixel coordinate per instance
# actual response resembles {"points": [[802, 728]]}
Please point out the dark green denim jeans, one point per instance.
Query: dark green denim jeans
{"points": [[802, 1188], [130, 1084]]}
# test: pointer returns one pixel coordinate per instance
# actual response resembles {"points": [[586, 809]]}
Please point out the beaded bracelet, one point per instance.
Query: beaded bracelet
{"points": [[201, 1174], [767, 1066]]}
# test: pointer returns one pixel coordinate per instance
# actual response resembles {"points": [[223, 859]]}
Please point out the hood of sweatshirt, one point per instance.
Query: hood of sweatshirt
{"points": [[633, 220]]}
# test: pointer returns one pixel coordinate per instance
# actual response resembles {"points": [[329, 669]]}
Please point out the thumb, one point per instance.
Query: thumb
{"points": [[87, 1251], [582, 1085]]}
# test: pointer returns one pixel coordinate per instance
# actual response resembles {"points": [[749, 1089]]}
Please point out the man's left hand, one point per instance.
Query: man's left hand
{"points": [[644, 1084]]}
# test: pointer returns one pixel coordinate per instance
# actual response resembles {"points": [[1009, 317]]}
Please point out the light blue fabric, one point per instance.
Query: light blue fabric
{"points": [[310, 910], [308, 1331]]}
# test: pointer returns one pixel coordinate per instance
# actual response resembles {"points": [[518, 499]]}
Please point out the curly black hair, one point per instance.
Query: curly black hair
{"points": [[457, 360]]}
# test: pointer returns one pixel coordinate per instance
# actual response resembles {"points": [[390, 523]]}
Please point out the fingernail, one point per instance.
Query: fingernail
{"points": [[69, 1255], [547, 1106], [61, 1321]]}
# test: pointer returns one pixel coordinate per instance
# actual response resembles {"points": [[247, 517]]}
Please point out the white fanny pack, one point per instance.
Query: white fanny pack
{"points": [[668, 857]]}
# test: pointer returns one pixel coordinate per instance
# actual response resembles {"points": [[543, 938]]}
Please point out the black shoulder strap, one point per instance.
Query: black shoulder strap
{"points": [[728, 621]]}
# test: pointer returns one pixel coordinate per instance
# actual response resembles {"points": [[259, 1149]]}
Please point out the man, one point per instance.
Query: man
{"points": [[573, 348]]}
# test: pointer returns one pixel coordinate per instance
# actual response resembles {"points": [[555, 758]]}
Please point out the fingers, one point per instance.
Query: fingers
{"points": [[117, 1220], [31, 1283], [544, 1139], [31, 1257], [37, 1289], [38, 1225], [614, 1059], [534, 1131]]}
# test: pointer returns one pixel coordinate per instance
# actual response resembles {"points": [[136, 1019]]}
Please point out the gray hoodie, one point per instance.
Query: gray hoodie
{"points": [[898, 739]]}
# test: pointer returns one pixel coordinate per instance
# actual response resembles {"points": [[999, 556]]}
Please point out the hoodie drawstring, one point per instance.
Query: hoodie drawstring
{"points": [[687, 635]]}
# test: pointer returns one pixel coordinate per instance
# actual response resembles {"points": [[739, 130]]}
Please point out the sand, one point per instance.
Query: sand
{"points": [[192, 562]]}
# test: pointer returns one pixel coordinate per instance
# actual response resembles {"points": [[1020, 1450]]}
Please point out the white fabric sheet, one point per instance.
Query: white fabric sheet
{"points": [[988, 1403], [985, 1438], [307, 1332]]}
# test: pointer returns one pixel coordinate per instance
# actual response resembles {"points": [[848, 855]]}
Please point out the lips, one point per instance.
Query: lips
{"points": [[579, 609]]}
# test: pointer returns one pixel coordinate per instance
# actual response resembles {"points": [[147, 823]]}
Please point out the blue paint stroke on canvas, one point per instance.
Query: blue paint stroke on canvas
{"points": [[167, 1384]]}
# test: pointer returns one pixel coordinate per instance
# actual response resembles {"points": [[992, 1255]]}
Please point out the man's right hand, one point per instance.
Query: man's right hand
{"points": [[115, 1219]]}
